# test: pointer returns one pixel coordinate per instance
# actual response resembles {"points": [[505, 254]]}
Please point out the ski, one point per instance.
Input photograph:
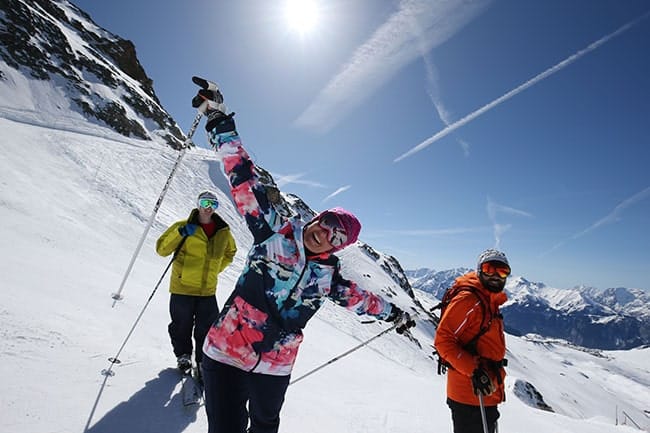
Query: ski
{"points": [[191, 389]]}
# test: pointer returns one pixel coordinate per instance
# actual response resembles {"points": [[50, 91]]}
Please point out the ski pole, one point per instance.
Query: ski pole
{"points": [[483, 418], [336, 358], [117, 296], [108, 372], [115, 359]]}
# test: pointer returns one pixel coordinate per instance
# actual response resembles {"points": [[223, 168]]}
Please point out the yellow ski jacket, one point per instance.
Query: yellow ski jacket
{"points": [[200, 260]]}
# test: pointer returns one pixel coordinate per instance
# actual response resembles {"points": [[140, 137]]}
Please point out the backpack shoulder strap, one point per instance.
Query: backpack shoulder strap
{"points": [[486, 320]]}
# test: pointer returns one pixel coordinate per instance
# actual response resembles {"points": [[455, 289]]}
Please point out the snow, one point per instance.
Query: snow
{"points": [[74, 200]]}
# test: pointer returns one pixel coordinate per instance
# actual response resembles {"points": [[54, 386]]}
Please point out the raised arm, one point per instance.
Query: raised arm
{"points": [[247, 191]]}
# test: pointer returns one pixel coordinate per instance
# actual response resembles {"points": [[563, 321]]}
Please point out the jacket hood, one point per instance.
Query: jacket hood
{"points": [[194, 219]]}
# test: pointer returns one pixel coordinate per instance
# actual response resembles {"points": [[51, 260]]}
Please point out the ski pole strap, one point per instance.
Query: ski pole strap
{"points": [[442, 364]]}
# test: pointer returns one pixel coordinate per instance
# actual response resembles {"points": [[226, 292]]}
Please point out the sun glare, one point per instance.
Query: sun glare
{"points": [[301, 15]]}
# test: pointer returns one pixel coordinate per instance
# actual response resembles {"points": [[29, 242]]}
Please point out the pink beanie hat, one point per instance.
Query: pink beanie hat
{"points": [[348, 220]]}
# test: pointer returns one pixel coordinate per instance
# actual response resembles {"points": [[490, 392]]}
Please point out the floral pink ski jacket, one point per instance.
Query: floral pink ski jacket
{"points": [[260, 327]]}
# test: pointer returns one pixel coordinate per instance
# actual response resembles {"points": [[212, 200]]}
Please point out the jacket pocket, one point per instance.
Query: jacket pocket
{"points": [[237, 331]]}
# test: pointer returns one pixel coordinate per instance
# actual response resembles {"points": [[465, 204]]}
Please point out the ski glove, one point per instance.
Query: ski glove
{"points": [[187, 230], [395, 312], [209, 101], [209, 98], [482, 383], [401, 318]]}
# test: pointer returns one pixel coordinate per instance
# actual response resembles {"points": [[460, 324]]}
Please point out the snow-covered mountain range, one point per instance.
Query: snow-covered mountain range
{"points": [[76, 190], [615, 318]]}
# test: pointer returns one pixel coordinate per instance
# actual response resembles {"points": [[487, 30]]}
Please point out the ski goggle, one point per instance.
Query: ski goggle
{"points": [[491, 268], [208, 203], [336, 234]]}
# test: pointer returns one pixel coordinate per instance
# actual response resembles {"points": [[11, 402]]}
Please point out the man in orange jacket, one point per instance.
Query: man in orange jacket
{"points": [[471, 340]]}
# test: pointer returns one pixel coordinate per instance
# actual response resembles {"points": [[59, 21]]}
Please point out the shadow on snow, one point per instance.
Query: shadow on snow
{"points": [[153, 409]]}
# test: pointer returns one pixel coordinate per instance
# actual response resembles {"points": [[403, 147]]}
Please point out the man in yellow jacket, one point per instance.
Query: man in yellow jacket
{"points": [[204, 247]]}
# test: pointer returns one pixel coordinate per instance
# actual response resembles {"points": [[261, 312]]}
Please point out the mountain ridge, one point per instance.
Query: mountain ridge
{"points": [[58, 42], [613, 318]]}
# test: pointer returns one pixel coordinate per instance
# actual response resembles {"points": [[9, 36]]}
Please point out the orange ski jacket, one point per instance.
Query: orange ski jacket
{"points": [[459, 324]]}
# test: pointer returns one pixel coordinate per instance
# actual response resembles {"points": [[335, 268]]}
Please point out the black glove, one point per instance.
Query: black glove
{"points": [[209, 101], [482, 383], [395, 313], [209, 98], [401, 318]]}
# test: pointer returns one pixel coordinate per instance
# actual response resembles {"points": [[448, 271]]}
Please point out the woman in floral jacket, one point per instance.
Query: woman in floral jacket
{"points": [[291, 269]]}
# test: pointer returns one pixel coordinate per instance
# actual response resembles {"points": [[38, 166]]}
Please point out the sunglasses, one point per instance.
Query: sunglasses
{"points": [[208, 203], [336, 234], [491, 268]]}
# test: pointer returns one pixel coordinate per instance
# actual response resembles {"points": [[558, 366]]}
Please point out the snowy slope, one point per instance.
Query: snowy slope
{"points": [[74, 200]]}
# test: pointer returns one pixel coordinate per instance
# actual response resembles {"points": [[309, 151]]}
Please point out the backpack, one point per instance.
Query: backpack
{"points": [[450, 293]]}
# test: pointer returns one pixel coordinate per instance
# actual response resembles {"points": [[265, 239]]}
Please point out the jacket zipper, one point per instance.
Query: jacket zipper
{"points": [[206, 263]]}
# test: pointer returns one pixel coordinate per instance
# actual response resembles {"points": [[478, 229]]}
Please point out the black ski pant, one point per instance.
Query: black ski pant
{"points": [[467, 418], [190, 313], [228, 389]]}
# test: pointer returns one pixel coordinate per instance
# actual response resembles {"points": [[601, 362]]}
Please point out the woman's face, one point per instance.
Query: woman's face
{"points": [[206, 211], [315, 238]]}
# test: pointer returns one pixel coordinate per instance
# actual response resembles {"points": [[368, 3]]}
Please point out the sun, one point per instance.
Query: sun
{"points": [[301, 15]]}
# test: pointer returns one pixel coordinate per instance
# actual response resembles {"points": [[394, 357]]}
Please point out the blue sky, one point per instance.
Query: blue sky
{"points": [[447, 126]]}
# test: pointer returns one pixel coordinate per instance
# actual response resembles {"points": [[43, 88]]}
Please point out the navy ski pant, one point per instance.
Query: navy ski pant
{"points": [[228, 389], [190, 313], [467, 418]]}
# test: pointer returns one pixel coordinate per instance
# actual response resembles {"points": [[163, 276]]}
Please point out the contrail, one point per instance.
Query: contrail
{"points": [[286, 179], [499, 229], [337, 192], [391, 47], [564, 63], [613, 217]]}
